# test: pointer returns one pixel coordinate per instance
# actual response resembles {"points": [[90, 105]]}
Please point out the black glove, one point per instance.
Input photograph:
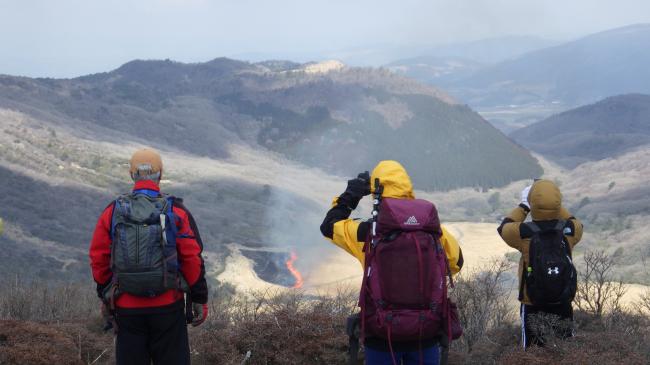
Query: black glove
{"points": [[357, 189], [360, 186]]}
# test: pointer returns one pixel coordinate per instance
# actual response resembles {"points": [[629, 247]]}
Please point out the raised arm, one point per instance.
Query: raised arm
{"points": [[511, 226], [575, 228], [349, 234]]}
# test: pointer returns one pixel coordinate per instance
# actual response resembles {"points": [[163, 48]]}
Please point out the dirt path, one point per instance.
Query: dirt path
{"points": [[480, 243]]}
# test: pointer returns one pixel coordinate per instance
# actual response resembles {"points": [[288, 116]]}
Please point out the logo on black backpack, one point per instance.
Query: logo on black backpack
{"points": [[554, 270]]}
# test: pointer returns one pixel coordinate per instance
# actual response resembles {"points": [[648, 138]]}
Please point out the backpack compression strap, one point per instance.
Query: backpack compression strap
{"points": [[535, 229]]}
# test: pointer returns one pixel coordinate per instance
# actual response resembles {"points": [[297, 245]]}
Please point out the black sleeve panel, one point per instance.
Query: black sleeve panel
{"points": [[198, 291], [179, 204], [363, 230], [503, 223], [345, 204], [461, 260], [525, 231], [101, 288], [338, 213]]}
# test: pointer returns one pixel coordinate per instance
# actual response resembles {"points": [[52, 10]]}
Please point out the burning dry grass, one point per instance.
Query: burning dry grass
{"points": [[294, 272]]}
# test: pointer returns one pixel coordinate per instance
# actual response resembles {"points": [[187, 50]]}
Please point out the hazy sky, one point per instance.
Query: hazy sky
{"points": [[64, 38]]}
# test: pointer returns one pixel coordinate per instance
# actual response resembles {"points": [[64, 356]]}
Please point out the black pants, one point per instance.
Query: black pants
{"points": [[549, 320], [159, 337]]}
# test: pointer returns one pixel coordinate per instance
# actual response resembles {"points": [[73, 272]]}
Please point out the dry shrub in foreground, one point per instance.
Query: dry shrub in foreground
{"points": [[284, 327], [38, 301], [612, 339], [32, 343], [585, 348], [288, 327]]}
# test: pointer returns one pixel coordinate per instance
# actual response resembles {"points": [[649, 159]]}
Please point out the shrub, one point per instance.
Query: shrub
{"points": [[483, 302], [284, 327], [290, 327]]}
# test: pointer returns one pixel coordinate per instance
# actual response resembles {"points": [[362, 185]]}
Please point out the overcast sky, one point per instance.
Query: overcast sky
{"points": [[64, 38]]}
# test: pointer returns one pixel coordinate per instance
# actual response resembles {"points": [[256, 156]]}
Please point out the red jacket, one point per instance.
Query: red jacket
{"points": [[188, 245]]}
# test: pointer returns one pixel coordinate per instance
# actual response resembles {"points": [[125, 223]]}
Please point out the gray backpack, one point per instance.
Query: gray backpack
{"points": [[144, 261]]}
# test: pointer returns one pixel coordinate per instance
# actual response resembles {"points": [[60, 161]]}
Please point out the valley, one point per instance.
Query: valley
{"points": [[255, 199], [268, 116]]}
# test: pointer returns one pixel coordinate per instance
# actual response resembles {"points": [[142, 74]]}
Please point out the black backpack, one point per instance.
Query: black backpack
{"points": [[550, 276]]}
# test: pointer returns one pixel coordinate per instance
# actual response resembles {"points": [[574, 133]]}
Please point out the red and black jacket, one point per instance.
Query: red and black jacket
{"points": [[188, 245]]}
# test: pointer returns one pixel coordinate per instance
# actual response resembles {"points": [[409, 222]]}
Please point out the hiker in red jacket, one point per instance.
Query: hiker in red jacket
{"points": [[145, 256]]}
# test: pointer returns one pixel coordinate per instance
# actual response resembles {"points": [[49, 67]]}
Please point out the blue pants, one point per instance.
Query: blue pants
{"points": [[430, 356]]}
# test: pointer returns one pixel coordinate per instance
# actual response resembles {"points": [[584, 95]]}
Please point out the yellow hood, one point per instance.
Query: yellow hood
{"points": [[545, 201], [393, 176]]}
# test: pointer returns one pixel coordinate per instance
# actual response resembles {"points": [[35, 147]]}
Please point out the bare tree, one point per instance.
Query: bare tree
{"points": [[643, 304], [597, 290]]}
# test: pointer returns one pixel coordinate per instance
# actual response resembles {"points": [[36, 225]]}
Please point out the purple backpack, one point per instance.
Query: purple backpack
{"points": [[404, 291]]}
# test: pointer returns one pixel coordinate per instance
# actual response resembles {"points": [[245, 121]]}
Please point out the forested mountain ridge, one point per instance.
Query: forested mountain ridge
{"points": [[605, 129], [329, 116], [244, 143]]}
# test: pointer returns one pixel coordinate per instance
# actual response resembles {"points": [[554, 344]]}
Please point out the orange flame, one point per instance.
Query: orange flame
{"points": [[296, 274]]}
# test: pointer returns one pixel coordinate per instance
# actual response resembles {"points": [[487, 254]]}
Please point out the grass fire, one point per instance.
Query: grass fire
{"points": [[296, 274]]}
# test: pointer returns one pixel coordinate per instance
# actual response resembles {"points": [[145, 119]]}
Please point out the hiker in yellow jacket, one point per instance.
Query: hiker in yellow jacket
{"points": [[543, 201], [350, 235]]}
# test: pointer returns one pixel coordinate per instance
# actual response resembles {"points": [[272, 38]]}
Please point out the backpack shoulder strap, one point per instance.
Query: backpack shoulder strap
{"points": [[117, 209], [559, 227], [171, 217], [533, 227], [438, 246]]}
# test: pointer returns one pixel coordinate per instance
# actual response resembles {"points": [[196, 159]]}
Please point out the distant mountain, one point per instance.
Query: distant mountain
{"points": [[445, 65], [492, 50], [605, 129], [324, 115], [591, 68], [435, 70]]}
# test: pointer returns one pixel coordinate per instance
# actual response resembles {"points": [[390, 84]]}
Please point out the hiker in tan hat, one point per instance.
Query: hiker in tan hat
{"points": [[547, 276], [146, 258]]}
